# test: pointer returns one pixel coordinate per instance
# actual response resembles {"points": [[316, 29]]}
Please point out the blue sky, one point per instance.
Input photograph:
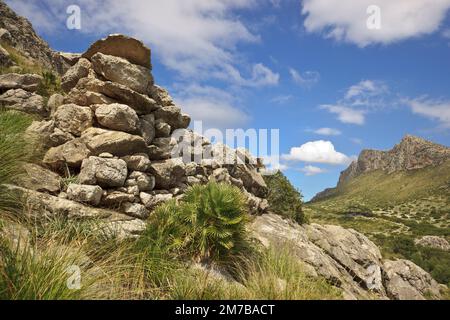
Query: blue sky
{"points": [[311, 68]]}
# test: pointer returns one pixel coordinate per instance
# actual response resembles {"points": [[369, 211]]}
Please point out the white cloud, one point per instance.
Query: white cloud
{"points": [[435, 110], [356, 141], [312, 170], [317, 152], [346, 20], [346, 114], [328, 132], [307, 79], [216, 108], [196, 38]]}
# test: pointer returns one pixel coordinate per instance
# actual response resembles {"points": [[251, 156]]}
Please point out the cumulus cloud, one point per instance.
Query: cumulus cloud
{"points": [[216, 108], [434, 110], [196, 38], [305, 79], [346, 114], [327, 132], [317, 152], [312, 170], [346, 20]]}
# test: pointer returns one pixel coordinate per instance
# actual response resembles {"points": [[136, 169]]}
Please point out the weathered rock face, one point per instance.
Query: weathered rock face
{"points": [[121, 71], [347, 259], [433, 242], [40, 179], [21, 100], [126, 139], [118, 45], [406, 281], [410, 154], [18, 33], [27, 82]]}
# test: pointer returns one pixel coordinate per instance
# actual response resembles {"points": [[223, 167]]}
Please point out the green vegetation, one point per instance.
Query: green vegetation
{"points": [[393, 210], [284, 198], [208, 224], [13, 150], [51, 83]]}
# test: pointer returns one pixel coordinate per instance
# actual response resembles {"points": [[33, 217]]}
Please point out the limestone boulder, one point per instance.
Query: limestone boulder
{"points": [[135, 210], [137, 162], [73, 119], [168, 173], [142, 180], [253, 180], [121, 46], [116, 143], [172, 116], [151, 201], [121, 71], [433, 242], [40, 179], [87, 98], [161, 96], [27, 82], [163, 148], [72, 153], [107, 173], [147, 128], [142, 104], [116, 198], [162, 129], [406, 281], [85, 194], [21, 100], [54, 102], [75, 73], [117, 117]]}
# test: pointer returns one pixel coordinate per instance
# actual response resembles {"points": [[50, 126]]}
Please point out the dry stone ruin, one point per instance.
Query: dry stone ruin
{"points": [[126, 143]]}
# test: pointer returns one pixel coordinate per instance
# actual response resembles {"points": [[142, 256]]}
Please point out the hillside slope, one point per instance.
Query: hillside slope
{"points": [[395, 197]]}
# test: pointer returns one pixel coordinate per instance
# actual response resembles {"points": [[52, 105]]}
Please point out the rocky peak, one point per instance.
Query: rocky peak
{"points": [[410, 154], [17, 32]]}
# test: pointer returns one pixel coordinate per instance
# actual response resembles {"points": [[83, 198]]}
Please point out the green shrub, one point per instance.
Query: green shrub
{"points": [[284, 198], [208, 224]]}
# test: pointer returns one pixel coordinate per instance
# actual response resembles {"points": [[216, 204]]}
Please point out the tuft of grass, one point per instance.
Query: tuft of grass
{"points": [[14, 151]]}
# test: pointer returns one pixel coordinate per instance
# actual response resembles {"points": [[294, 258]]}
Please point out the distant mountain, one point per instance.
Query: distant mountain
{"points": [[411, 154]]}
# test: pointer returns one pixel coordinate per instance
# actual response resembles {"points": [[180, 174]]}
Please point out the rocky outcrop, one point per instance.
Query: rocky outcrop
{"points": [[412, 153], [21, 100], [127, 141], [434, 242], [346, 259], [18, 33]]}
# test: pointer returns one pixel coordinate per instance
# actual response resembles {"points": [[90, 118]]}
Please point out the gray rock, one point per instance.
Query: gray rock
{"points": [[73, 119], [27, 82], [117, 117], [115, 142], [121, 71], [103, 172], [162, 129], [168, 173], [152, 201], [407, 281], [54, 102], [85, 194], [137, 162], [40, 179], [142, 180], [163, 148], [433, 242], [147, 128], [161, 96], [121, 46], [71, 153], [21, 100], [172, 116], [142, 104], [135, 210], [117, 198], [75, 73]]}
